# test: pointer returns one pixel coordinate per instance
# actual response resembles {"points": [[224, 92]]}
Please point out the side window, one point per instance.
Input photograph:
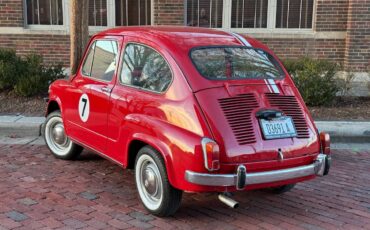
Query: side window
{"points": [[145, 68], [101, 60], [86, 68]]}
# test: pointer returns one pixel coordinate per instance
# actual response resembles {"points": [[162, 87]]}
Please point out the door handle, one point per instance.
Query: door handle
{"points": [[106, 89]]}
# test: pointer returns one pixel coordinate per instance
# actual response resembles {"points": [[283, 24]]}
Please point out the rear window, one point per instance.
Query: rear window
{"points": [[220, 63]]}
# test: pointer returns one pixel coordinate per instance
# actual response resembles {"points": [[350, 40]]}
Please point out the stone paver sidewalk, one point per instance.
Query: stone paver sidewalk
{"points": [[38, 191]]}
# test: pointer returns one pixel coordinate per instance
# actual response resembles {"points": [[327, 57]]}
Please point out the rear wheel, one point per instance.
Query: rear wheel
{"points": [[156, 193], [57, 140], [283, 189]]}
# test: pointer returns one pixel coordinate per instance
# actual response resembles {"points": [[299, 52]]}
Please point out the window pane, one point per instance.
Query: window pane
{"points": [[98, 12], [294, 13], [44, 12], [104, 61], [249, 13], [145, 68], [235, 63], [86, 68], [133, 12], [204, 13]]}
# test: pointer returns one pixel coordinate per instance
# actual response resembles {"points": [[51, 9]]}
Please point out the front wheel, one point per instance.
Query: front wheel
{"points": [[155, 191], [57, 140]]}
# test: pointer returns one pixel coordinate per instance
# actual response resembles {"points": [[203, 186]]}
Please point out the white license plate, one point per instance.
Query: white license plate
{"points": [[282, 127]]}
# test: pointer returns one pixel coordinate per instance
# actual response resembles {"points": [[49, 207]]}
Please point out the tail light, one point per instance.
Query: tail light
{"points": [[325, 143], [211, 153]]}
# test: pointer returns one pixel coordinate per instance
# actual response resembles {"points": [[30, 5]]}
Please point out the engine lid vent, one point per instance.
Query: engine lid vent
{"points": [[290, 106], [238, 112]]}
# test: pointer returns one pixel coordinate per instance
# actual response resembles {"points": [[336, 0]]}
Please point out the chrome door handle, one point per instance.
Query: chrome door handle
{"points": [[106, 89]]}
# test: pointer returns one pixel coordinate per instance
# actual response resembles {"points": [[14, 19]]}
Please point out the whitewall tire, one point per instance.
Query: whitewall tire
{"points": [[56, 139], [155, 191]]}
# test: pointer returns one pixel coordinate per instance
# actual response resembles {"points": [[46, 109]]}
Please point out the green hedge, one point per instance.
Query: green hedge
{"points": [[315, 79], [26, 76]]}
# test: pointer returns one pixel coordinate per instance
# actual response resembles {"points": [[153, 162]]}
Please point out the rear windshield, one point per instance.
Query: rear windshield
{"points": [[220, 63]]}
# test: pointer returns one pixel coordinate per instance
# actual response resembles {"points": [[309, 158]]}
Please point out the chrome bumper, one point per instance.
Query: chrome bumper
{"points": [[242, 178]]}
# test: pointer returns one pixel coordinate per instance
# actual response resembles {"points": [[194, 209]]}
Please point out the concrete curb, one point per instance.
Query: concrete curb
{"points": [[346, 131], [340, 131], [20, 126]]}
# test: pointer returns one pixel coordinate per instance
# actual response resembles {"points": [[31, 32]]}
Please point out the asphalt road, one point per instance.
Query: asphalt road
{"points": [[38, 191]]}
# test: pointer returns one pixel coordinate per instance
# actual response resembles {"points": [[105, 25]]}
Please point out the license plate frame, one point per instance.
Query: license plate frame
{"points": [[278, 128]]}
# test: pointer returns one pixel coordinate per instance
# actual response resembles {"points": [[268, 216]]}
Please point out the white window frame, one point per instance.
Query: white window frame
{"points": [[47, 27], [271, 20], [111, 18]]}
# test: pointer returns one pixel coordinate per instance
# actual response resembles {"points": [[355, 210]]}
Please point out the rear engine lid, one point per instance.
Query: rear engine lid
{"points": [[231, 114]]}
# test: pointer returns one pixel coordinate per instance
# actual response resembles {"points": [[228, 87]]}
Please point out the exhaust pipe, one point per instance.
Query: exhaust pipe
{"points": [[228, 201]]}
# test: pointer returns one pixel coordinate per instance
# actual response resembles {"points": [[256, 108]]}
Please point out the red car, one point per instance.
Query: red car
{"points": [[190, 109]]}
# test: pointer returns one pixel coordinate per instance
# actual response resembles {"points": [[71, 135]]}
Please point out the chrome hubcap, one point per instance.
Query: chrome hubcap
{"points": [[58, 134], [150, 181]]}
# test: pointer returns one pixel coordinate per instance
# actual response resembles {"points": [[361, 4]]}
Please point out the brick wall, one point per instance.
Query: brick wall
{"points": [[351, 16], [357, 56], [11, 13], [169, 12], [54, 48], [332, 49], [331, 15]]}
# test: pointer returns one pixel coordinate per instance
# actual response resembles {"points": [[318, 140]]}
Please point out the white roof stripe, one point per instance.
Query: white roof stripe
{"points": [[241, 39]]}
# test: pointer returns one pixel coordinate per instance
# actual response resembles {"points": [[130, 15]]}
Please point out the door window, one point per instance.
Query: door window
{"points": [[145, 68], [101, 60]]}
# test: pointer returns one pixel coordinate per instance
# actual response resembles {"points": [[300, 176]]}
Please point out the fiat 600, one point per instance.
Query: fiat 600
{"points": [[190, 109]]}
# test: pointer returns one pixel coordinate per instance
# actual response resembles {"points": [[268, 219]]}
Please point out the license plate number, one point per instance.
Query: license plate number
{"points": [[282, 127]]}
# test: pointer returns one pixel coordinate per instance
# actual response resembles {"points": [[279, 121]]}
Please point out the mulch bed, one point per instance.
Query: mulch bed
{"points": [[350, 108], [11, 104]]}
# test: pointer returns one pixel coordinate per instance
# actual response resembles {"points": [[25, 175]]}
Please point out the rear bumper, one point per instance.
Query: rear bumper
{"points": [[242, 178]]}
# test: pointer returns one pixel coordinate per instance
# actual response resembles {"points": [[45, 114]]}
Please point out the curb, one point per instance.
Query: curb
{"points": [[340, 131], [21, 126], [346, 131]]}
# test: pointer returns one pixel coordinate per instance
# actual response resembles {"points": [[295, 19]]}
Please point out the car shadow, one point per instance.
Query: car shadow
{"points": [[88, 155]]}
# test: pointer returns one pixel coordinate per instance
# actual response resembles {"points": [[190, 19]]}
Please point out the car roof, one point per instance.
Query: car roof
{"points": [[179, 40], [188, 36], [166, 31]]}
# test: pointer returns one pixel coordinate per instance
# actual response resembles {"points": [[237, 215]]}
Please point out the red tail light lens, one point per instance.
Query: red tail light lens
{"points": [[211, 153], [325, 142]]}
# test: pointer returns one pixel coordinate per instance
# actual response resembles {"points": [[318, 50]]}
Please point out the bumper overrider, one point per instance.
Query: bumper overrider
{"points": [[242, 178]]}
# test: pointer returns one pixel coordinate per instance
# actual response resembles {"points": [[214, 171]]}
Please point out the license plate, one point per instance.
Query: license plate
{"points": [[282, 127]]}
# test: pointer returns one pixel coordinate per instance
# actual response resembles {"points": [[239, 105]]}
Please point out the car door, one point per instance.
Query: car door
{"points": [[143, 78], [94, 84]]}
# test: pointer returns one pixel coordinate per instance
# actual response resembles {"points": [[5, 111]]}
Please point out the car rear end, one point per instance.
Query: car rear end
{"points": [[262, 133]]}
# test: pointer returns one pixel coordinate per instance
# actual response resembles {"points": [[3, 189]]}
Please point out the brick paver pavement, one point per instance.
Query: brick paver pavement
{"points": [[38, 191]]}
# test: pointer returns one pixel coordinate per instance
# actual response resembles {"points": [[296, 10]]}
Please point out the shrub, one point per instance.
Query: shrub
{"points": [[26, 76], [10, 68], [37, 78], [315, 79]]}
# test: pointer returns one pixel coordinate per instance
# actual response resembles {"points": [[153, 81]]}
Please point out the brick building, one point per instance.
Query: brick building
{"points": [[338, 30]]}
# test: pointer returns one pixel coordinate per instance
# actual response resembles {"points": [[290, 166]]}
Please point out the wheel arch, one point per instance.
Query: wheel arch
{"points": [[52, 106], [140, 140]]}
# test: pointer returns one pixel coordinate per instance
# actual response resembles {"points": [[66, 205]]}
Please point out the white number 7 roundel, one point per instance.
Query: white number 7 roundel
{"points": [[84, 107]]}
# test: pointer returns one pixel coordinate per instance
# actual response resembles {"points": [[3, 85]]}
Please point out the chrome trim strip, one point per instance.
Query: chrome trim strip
{"points": [[317, 168]]}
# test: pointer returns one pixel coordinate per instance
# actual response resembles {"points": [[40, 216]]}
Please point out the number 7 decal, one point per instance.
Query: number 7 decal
{"points": [[84, 107]]}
